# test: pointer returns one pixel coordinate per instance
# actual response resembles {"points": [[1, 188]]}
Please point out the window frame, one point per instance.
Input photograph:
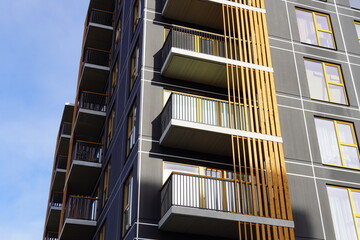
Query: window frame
{"points": [[339, 143], [127, 204], [317, 29], [102, 231], [110, 126], [358, 35], [328, 83], [353, 7], [352, 205], [114, 77], [136, 15], [118, 32], [105, 195], [134, 66], [131, 128]]}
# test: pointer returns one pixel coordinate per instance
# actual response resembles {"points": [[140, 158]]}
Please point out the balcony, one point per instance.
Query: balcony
{"points": [[90, 116], [80, 218], [85, 167], [200, 124], [194, 56], [204, 13], [53, 219], [51, 236], [190, 202], [59, 173], [99, 29], [95, 70], [64, 138]]}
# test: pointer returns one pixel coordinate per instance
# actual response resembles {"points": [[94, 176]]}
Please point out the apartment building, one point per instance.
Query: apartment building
{"points": [[212, 119]]}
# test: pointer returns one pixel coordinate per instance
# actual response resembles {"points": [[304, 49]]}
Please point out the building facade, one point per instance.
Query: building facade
{"points": [[212, 119]]}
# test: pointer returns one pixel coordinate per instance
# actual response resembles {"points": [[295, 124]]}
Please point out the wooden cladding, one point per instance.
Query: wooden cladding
{"points": [[246, 40]]}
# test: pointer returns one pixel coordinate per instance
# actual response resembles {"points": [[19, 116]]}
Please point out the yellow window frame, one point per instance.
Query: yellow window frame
{"points": [[127, 191], [328, 82], [106, 184], [340, 144], [317, 29], [110, 126], [357, 23]]}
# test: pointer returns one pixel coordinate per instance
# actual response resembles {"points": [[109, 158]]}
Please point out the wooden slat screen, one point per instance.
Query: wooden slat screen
{"points": [[246, 40]]}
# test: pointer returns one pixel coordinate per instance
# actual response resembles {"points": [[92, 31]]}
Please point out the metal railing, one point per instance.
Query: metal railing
{"points": [[100, 17], [79, 207], [97, 57], [205, 192], [56, 199], [66, 128], [193, 40], [61, 162], [202, 110], [86, 151], [92, 101], [51, 236]]}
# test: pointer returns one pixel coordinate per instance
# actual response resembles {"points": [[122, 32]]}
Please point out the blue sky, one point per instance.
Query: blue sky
{"points": [[40, 45]]}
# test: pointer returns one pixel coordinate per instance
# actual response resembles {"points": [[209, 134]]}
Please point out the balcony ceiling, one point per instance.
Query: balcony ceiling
{"points": [[199, 12]]}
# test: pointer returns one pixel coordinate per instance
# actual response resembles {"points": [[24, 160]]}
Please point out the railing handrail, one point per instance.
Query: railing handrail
{"points": [[92, 101], [196, 30], [97, 50], [88, 152], [83, 141], [100, 10], [83, 197], [95, 93]]}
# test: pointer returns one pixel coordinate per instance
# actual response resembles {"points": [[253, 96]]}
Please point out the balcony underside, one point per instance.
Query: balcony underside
{"points": [[77, 229], [63, 147], [94, 78], [89, 124], [98, 36], [53, 219], [59, 180], [196, 137], [210, 222], [195, 67], [83, 176], [199, 12]]}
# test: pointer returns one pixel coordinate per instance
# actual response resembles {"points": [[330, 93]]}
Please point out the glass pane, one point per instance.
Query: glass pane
{"points": [[316, 80], [326, 39], [357, 26], [356, 199], [345, 132], [351, 156], [333, 73], [322, 22], [173, 167], [355, 4], [337, 94], [306, 27], [341, 213], [328, 144]]}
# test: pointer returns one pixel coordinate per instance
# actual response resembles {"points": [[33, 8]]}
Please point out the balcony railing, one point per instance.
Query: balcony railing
{"points": [[92, 101], [86, 151], [202, 110], [79, 207], [205, 192], [56, 199], [65, 128], [51, 236], [193, 40], [100, 17], [61, 162], [97, 57]]}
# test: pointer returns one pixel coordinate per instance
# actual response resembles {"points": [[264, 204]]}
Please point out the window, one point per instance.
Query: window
{"points": [[337, 143], [110, 126], [131, 131], [118, 32], [106, 184], [325, 81], [357, 26], [127, 199], [102, 233], [345, 212], [134, 66], [118, 3], [315, 28], [136, 14], [354, 4], [114, 77]]}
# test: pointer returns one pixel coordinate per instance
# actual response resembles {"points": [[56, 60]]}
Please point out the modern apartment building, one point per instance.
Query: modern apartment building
{"points": [[212, 119]]}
